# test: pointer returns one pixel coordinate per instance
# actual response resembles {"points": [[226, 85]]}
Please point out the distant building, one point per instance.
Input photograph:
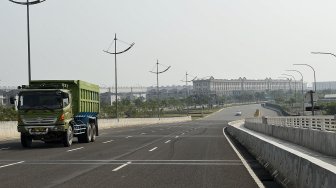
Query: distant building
{"points": [[221, 87], [166, 92], [6, 93], [2, 100], [328, 98], [325, 85]]}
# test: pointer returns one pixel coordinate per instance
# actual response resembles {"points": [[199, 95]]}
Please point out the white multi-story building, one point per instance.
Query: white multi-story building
{"points": [[325, 85], [222, 87], [2, 100]]}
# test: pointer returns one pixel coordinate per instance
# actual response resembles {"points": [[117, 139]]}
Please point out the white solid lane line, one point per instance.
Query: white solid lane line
{"points": [[75, 149], [11, 164], [247, 166], [108, 141], [167, 141], [153, 149], [120, 167]]}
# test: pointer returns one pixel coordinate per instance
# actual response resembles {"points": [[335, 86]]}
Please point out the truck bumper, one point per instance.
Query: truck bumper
{"points": [[40, 130]]}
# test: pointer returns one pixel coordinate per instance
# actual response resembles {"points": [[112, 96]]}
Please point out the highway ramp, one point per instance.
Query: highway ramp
{"points": [[192, 154]]}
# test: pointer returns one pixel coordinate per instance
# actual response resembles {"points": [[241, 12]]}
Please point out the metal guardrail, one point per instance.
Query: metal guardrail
{"points": [[323, 123]]}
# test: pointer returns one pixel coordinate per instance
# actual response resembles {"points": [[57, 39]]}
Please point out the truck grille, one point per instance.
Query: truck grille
{"points": [[39, 121]]}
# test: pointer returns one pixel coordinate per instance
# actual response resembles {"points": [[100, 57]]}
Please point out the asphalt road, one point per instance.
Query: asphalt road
{"points": [[193, 154]]}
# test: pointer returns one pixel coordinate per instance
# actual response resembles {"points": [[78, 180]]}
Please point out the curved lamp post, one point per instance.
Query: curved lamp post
{"points": [[314, 84], [157, 83], [326, 53], [313, 71], [303, 109], [28, 3], [294, 82], [115, 53], [283, 77]]}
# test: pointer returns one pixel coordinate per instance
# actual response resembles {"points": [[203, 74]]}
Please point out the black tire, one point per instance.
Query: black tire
{"points": [[26, 140], [68, 137], [94, 131], [86, 137]]}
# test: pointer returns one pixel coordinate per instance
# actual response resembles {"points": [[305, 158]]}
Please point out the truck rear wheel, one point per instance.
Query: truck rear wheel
{"points": [[26, 140], [94, 131], [68, 137], [86, 137]]}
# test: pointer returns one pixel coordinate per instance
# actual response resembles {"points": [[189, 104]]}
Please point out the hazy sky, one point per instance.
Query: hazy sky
{"points": [[226, 39]]}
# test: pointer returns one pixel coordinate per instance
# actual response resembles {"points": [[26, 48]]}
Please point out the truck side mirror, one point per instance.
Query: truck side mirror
{"points": [[12, 100]]}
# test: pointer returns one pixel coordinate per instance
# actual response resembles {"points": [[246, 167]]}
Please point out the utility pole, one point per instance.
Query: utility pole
{"points": [[187, 90], [28, 3], [115, 68], [157, 84]]}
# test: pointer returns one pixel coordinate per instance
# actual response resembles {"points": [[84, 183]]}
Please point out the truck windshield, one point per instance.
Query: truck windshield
{"points": [[40, 100]]}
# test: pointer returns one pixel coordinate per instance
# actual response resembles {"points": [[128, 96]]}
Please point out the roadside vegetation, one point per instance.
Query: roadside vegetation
{"points": [[195, 106], [293, 104], [7, 113]]}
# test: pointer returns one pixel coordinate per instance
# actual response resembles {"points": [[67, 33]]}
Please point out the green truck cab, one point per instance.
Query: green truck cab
{"points": [[58, 110]]}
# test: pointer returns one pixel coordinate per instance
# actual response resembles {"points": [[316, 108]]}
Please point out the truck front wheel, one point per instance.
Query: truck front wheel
{"points": [[26, 140], [68, 137]]}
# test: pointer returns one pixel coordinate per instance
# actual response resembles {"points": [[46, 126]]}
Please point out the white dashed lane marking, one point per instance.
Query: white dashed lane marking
{"points": [[75, 149], [153, 149], [11, 164], [120, 167], [108, 141], [167, 141]]}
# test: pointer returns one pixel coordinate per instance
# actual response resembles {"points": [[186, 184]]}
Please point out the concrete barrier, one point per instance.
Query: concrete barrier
{"points": [[321, 141], [299, 169], [8, 129], [110, 123]]}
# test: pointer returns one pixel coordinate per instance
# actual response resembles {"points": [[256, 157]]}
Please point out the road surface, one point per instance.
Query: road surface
{"points": [[193, 154]]}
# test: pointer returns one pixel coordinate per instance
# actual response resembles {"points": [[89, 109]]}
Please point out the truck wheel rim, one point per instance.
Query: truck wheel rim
{"points": [[70, 135]]}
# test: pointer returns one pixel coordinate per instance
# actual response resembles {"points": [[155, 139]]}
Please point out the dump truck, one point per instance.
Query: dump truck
{"points": [[57, 111]]}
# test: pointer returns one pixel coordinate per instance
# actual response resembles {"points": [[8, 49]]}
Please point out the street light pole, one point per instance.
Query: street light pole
{"points": [[325, 53], [314, 84], [314, 74], [115, 69], [28, 3], [187, 90], [290, 88], [157, 84], [294, 83], [303, 109]]}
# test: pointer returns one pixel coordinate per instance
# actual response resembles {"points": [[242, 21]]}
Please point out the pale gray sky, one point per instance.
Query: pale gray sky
{"points": [[223, 38]]}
